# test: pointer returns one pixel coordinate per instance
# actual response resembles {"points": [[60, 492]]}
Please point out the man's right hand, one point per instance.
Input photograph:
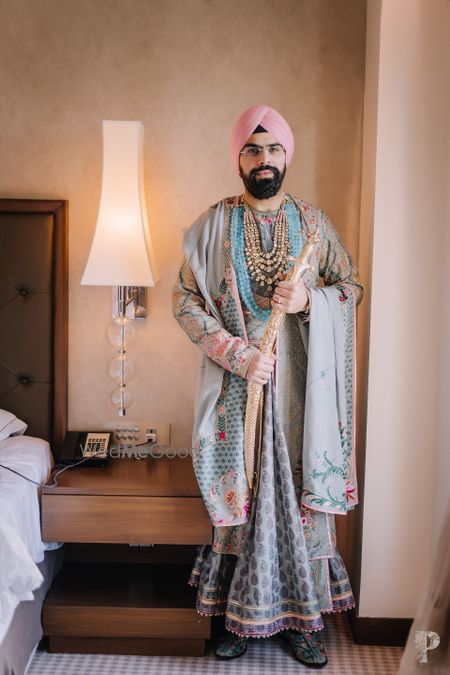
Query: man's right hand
{"points": [[261, 368]]}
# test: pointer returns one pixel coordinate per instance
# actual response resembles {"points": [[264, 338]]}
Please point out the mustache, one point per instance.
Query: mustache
{"points": [[266, 167]]}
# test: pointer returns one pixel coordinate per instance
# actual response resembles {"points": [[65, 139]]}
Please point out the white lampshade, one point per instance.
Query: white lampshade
{"points": [[121, 252]]}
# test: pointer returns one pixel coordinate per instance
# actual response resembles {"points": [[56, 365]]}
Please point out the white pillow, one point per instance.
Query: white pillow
{"points": [[10, 425]]}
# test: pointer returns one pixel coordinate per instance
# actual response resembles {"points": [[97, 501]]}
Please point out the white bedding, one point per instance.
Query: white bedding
{"points": [[21, 545]]}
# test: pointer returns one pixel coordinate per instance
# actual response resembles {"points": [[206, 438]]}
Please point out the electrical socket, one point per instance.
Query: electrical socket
{"points": [[151, 435], [132, 432]]}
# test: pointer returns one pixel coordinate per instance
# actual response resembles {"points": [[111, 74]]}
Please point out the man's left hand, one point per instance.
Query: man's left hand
{"points": [[290, 296]]}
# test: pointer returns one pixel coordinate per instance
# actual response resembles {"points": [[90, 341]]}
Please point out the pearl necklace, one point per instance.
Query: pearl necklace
{"points": [[266, 268]]}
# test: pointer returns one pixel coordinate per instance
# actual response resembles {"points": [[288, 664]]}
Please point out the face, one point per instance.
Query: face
{"points": [[262, 175]]}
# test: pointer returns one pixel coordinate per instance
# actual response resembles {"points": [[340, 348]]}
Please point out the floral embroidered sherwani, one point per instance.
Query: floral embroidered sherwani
{"points": [[308, 438]]}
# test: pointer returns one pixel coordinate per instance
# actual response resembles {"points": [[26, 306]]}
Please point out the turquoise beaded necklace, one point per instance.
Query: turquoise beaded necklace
{"points": [[239, 259]]}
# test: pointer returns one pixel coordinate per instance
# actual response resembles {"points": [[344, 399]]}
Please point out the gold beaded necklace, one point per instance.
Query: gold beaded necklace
{"points": [[266, 268]]}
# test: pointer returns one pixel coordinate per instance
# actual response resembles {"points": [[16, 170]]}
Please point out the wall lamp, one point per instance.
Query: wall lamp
{"points": [[121, 253]]}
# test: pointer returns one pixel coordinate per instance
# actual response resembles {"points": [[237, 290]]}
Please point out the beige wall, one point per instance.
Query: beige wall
{"points": [[407, 454], [186, 69]]}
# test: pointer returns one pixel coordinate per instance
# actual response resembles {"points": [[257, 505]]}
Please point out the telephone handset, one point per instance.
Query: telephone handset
{"points": [[92, 446]]}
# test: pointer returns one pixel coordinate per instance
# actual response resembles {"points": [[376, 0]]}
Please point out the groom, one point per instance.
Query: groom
{"points": [[273, 566]]}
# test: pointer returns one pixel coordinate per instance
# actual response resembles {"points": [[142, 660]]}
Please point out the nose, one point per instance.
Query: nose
{"points": [[264, 155]]}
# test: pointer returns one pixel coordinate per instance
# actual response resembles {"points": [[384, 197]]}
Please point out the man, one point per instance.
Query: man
{"points": [[273, 566]]}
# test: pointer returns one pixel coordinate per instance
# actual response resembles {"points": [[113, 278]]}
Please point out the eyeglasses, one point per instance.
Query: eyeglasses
{"points": [[253, 151]]}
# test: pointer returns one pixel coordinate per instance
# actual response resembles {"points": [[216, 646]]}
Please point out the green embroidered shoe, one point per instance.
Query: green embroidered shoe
{"points": [[231, 646], [307, 648]]}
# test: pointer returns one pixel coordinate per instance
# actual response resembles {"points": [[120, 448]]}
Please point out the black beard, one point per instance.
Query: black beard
{"points": [[264, 188]]}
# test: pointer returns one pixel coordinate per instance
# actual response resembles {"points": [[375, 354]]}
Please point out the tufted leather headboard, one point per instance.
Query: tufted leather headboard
{"points": [[34, 315]]}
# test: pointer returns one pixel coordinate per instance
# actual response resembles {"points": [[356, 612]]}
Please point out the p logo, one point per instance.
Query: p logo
{"points": [[424, 641]]}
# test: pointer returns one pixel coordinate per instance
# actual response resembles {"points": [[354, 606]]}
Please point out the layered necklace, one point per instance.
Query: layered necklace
{"points": [[266, 268], [252, 264]]}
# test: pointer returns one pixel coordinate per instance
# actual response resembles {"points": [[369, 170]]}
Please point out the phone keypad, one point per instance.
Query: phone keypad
{"points": [[96, 445]]}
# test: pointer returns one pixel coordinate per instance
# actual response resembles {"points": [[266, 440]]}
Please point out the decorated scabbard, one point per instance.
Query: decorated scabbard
{"points": [[255, 391]]}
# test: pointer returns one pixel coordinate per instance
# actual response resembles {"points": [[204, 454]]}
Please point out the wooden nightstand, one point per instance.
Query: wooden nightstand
{"points": [[128, 604]]}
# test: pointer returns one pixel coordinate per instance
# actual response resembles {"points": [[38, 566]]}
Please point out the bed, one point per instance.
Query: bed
{"points": [[33, 388]]}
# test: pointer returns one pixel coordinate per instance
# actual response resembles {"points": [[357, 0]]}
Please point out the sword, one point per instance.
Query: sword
{"points": [[253, 413]]}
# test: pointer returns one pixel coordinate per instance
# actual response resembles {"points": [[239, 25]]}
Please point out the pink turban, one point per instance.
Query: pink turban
{"points": [[269, 119]]}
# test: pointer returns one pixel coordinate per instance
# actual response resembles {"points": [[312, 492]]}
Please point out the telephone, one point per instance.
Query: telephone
{"points": [[93, 446]]}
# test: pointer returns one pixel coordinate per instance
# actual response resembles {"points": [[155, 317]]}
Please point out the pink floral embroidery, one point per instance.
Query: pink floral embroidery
{"points": [[218, 345], [221, 435], [350, 491], [267, 220], [306, 516], [230, 497], [229, 500]]}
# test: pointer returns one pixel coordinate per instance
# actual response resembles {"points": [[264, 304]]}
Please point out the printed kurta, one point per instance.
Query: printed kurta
{"points": [[273, 564], [208, 307]]}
